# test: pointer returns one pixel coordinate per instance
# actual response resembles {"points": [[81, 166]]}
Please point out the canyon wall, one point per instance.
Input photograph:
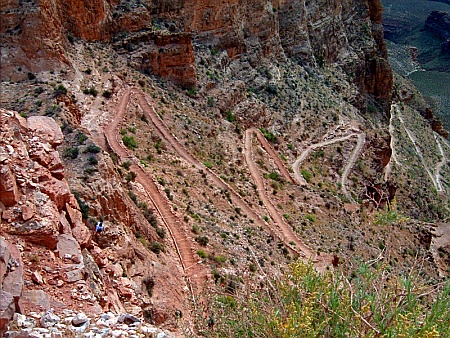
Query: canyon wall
{"points": [[35, 34]]}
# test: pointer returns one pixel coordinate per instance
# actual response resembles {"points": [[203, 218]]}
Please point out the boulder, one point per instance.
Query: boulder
{"points": [[80, 319], [7, 309], [67, 246], [34, 300], [9, 193], [49, 319], [46, 129], [37, 277], [13, 278]]}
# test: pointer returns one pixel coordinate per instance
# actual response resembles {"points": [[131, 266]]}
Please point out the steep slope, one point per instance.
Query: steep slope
{"points": [[159, 104]]}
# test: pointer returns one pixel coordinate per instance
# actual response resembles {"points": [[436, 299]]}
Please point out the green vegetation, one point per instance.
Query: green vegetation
{"points": [[269, 135], [220, 259], [230, 116], [52, 110], [81, 137], [389, 215], [60, 90], [92, 148], [306, 175], [202, 254], [90, 91], [157, 247], [202, 240], [208, 164], [366, 302], [71, 152], [129, 142], [84, 207], [310, 218], [126, 165]]}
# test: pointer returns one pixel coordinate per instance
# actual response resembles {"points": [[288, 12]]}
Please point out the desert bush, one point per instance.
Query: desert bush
{"points": [[71, 152], [92, 148], [202, 240], [157, 247], [129, 142], [365, 302]]}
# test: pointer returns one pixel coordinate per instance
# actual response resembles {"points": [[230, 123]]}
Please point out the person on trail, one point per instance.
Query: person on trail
{"points": [[99, 227], [211, 323]]}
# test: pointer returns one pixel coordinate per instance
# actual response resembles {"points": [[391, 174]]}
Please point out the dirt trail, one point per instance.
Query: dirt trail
{"points": [[296, 165], [351, 163], [236, 199], [393, 159], [441, 163], [268, 148], [419, 152], [283, 229], [195, 273]]}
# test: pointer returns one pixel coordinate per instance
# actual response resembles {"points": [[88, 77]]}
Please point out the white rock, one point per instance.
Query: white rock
{"points": [[79, 319], [119, 333], [148, 330], [107, 320], [49, 319]]}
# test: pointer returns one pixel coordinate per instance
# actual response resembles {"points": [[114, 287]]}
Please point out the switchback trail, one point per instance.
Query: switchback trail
{"points": [[388, 168], [350, 164], [237, 200], [268, 148], [435, 178], [195, 273], [283, 228]]}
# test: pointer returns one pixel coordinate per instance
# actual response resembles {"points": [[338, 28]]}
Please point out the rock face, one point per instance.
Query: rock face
{"points": [[438, 23], [311, 32], [167, 55], [33, 188]]}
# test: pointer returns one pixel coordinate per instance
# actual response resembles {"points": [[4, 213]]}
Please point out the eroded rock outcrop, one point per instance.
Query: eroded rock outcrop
{"points": [[346, 31]]}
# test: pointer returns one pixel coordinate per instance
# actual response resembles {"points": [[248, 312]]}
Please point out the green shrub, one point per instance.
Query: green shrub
{"points": [[93, 149], [126, 165], [196, 229], [84, 207], [131, 176], [60, 90], [310, 218], [269, 135], [161, 232], [306, 175], [92, 160], [149, 283], [230, 116], [52, 110], [81, 137], [157, 247], [129, 142], [71, 152], [90, 91], [220, 259], [202, 254], [366, 302], [202, 240]]}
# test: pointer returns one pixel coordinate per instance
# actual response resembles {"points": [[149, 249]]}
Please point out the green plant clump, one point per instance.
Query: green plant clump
{"points": [[129, 142], [368, 302]]}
